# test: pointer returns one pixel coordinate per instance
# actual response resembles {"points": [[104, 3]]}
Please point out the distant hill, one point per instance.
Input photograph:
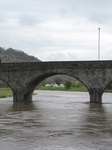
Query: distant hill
{"points": [[12, 55]]}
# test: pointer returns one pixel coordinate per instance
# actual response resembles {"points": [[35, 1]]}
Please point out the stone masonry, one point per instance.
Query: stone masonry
{"points": [[24, 77]]}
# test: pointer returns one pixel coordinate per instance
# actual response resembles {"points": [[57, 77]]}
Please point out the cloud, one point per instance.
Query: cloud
{"points": [[57, 30], [28, 19], [60, 56]]}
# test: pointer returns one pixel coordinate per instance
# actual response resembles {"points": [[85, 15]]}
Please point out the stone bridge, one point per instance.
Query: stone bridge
{"points": [[24, 77]]}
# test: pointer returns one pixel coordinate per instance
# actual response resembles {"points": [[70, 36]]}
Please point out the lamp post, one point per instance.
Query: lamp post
{"points": [[98, 43]]}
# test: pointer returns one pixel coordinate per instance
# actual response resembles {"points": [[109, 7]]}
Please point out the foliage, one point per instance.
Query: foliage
{"points": [[12, 55], [76, 84], [50, 88], [5, 92], [78, 89], [68, 84]]}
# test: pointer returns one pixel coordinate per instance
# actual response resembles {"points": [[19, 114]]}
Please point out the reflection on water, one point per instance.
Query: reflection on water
{"points": [[56, 121], [95, 121], [22, 106]]}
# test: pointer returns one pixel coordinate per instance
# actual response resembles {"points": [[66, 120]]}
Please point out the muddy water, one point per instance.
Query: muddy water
{"points": [[56, 121]]}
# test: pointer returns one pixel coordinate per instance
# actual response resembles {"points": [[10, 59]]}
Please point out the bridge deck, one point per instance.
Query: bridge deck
{"points": [[57, 65]]}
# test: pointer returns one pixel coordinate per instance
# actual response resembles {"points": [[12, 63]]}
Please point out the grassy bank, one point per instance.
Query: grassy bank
{"points": [[5, 92], [78, 89]]}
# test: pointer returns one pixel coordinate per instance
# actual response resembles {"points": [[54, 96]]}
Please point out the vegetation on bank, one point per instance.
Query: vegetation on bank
{"points": [[12, 55], [77, 89], [5, 92]]}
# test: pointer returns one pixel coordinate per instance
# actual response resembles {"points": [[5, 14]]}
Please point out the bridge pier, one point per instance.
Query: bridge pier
{"points": [[28, 97], [95, 95], [18, 95]]}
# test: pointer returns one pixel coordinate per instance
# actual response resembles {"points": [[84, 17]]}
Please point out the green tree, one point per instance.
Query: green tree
{"points": [[68, 84]]}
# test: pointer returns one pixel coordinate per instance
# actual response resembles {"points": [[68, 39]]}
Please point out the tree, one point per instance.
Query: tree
{"points": [[58, 80], [68, 84]]}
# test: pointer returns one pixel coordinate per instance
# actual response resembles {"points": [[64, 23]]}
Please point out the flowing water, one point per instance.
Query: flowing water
{"points": [[56, 121]]}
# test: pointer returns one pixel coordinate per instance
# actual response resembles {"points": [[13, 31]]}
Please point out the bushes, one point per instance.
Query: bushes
{"points": [[68, 84]]}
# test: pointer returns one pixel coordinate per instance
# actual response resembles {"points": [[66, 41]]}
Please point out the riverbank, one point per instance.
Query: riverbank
{"points": [[77, 89], [7, 92]]}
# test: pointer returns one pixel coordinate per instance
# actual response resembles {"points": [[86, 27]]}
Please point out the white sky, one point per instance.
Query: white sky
{"points": [[55, 30]]}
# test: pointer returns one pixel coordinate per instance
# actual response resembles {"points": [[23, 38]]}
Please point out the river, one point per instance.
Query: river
{"points": [[56, 121]]}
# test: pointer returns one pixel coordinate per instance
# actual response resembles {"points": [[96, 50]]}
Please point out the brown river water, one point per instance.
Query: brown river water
{"points": [[56, 121]]}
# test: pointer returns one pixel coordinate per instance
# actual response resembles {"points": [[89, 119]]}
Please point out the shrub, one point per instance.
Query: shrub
{"points": [[68, 84]]}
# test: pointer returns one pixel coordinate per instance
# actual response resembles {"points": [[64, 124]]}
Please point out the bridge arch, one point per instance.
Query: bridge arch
{"points": [[7, 82], [38, 79], [106, 85]]}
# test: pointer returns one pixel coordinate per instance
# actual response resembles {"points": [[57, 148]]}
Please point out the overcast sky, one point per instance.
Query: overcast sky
{"points": [[55, 30]]}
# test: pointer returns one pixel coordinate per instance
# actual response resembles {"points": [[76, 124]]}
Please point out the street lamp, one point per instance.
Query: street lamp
{"points": [[98, 43]]}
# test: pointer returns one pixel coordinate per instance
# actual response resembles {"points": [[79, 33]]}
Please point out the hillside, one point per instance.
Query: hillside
{"points": [[12, 55]]}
